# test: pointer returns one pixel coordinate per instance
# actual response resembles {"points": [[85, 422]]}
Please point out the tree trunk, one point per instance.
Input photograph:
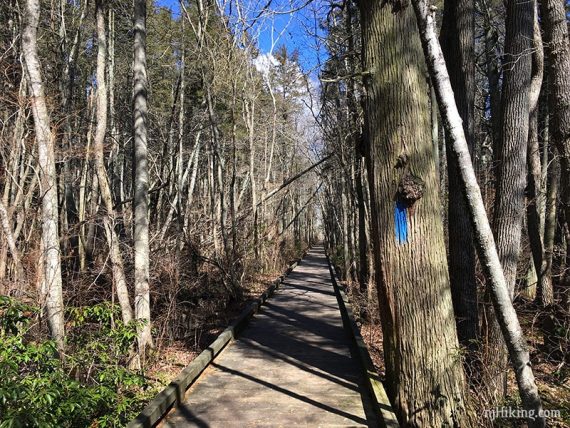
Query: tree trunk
{"points": [[182, 172], [347, 262], [190, 197], [488, 254], [357, 142], [249, 118], [557, 47], [493, 73], [511, 179], [117, 148], [511, 171], [457, 39], [140, 183], [550, 222], [534, 186], [85, 247], [92, 226], [46, 157], [363, 272], [102, 178], [420, 338], [9, 237]]}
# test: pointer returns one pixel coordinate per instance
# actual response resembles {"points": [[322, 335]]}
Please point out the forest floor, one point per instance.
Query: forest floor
{"points": [[553, 377], [172, 357]]}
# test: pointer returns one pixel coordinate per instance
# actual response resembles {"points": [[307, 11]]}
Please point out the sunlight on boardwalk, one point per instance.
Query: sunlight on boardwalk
{"points": [[292, 366]]}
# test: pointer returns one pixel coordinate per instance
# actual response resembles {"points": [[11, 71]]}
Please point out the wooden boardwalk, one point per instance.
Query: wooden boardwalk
{"points": [[292, 366]]}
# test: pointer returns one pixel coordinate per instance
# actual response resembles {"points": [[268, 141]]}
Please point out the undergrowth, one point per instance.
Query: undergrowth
{"points": [[89, 387]]}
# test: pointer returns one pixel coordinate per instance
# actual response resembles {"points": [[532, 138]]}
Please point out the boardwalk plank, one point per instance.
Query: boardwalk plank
{"points": [[292, 366]]}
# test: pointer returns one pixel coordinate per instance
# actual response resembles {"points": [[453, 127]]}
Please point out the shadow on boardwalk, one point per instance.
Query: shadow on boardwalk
{"points": [[292, 366]]}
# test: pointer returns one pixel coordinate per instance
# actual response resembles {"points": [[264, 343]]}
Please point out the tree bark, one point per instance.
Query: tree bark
{"points": [[357, 142], [488, 254], [412, 278], [534, 183], [511, 171], [48, 178], [511, 175], [140, 182], [550, 222], [102, 178], [9, 237], [493, 72], [557, 47], [457, 40]]}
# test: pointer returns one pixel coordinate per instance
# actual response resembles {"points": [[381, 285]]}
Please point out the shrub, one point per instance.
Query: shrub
{"points": [[89, 387]]}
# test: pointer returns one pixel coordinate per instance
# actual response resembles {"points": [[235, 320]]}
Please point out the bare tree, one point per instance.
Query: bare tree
{"points": [[52, 282], [104, 187], [141, 179]]}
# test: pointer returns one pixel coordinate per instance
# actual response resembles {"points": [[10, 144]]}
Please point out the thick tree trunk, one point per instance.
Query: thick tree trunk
{"points": [[140, 183], [511, 178], [511, 171], [488, 254], [557, 47], [420, 338], [457, 39], [46, 157], [104, 187]]}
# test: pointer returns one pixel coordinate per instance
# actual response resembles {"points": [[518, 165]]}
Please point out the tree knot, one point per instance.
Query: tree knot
{"points": [[410, 188]]}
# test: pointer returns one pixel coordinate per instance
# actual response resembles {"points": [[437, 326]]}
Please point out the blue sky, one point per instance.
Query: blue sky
{"points": [[295, 30]]}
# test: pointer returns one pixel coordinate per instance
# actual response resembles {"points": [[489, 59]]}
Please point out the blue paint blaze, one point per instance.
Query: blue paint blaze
{"points": [[400, 223]]}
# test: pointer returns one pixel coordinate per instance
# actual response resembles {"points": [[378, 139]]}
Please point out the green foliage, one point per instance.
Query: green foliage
{"points": [[90, 387]]}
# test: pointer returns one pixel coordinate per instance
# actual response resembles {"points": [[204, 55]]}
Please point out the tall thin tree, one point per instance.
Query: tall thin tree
{"points": [[102, 177], [141, 178], [52, 283]]}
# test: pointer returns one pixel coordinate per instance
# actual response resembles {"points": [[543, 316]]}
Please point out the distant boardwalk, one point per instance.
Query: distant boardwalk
{"points": [[292, 366]]}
